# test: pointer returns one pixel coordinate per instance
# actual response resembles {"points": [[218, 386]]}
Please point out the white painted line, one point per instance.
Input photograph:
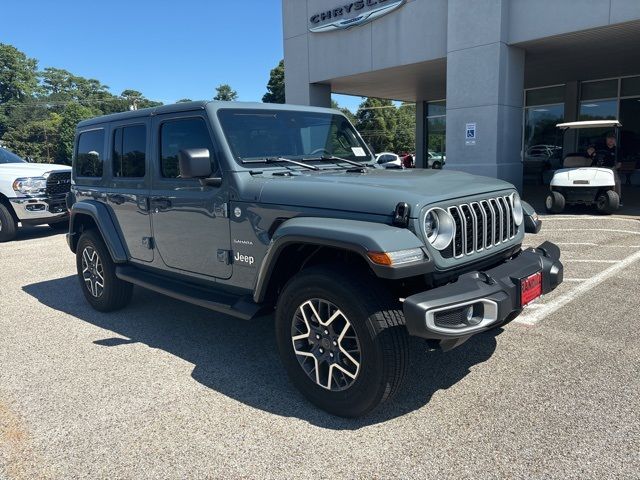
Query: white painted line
{"points": [[607, 230], [577, 243], [575, 279], [590, 217], [582, 260], [581, 289]]}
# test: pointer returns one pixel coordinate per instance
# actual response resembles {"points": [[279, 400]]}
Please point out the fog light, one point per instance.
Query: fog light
{"points": [[475, 314]]}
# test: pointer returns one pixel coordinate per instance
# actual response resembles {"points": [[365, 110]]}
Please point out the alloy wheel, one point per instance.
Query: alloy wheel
{"points": [[92, 271], [326, 344]]}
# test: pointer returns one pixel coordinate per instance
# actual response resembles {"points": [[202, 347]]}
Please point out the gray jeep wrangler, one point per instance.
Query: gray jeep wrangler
{"points": [[247, 208]]}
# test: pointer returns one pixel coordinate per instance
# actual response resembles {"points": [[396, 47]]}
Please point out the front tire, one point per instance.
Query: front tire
{"points": [[342, 340], [97, 274], [437, 165], [608, 202], [555, 202], [8, 226]]}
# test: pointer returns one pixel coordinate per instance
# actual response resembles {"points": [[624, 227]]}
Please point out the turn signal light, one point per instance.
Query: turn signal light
{"points": [[400, 257]]}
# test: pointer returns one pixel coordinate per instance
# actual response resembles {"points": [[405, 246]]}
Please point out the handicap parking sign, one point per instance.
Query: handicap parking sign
{"points": [[470, 133]]}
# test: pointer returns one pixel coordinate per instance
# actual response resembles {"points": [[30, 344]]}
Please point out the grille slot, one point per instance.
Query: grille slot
{"points": [[482, 225], [58, 183]]}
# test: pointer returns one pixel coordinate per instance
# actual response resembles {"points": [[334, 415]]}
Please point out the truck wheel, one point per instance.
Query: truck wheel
{"points": [[554, 202], [608, 202], [437, 165], [8, 225], [97, 274], [342, 341]]}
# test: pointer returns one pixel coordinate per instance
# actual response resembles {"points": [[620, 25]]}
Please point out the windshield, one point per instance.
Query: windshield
{"points": [[254, 134], [8, 157]]}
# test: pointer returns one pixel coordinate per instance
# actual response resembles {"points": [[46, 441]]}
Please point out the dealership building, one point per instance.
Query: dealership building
{"points": [[490, 78]]}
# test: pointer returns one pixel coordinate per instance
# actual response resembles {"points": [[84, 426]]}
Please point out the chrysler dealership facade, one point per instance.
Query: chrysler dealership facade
{"points": [[489, 77]]}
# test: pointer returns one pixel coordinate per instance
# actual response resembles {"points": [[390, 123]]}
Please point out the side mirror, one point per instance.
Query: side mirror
{"points": [[532, 223], [196, 163]]}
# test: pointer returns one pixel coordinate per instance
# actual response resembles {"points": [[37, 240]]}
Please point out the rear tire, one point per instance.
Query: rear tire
{"points": [[555, 202], [437, 165], [608, 202], [97, 274], [8, 226], [370, 341]]}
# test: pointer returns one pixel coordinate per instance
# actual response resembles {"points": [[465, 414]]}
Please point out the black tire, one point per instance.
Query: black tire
{"points": [[114, 293], [8, 225], [608, 202], [378, 325], [60, 226], [554, 202], [437, 165]]}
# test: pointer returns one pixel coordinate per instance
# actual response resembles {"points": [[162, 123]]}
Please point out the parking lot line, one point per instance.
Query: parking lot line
{"points": [[588, 260], [586, 244], [575, 279], [561, 301], [608, 230], [590, 217]]}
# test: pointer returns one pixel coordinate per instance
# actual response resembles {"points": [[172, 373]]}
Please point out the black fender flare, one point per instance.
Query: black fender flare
{"points": [[356, 236], [99, 213]]}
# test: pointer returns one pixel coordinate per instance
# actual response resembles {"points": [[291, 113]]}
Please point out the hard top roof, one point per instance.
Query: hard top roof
{"points": [[197, 105], [590, 124]]}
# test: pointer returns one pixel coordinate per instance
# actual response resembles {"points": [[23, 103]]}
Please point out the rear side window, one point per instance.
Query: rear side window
{"points": [[90, 154], [176, 135], [129, 146]]}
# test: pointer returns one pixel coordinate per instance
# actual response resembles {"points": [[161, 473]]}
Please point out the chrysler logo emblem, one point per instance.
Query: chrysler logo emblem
{"points": [[336, 17]]}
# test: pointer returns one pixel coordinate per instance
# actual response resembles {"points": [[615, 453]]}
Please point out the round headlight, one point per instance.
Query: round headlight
{"points": [[516, 204], [438, 228]]}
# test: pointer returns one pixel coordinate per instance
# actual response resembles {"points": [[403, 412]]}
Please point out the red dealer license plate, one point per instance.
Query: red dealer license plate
{"points": [[530, 288]]}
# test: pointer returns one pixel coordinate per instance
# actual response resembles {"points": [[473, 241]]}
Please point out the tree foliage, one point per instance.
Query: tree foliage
{"points": [[39, 110], [376, 121], [275, 87], [225, 93]]}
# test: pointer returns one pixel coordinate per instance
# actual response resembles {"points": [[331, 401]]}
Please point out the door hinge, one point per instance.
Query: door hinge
{"points": [[221, 210], [148, 242], [224, 256]]}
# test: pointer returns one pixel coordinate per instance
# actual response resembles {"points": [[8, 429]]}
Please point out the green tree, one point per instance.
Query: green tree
{"points": [[225, 93], [376, 121], [184, 100], [18, 83], [71, 116], [275, 87], [36, 140], [345, 111], [405, 134]]}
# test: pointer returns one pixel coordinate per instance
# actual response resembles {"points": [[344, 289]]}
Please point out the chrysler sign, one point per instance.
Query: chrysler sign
{"points": [[341, 17]]}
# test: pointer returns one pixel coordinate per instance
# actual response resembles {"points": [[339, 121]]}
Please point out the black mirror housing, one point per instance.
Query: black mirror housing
{"points": [[532, 223], [194, 163]]}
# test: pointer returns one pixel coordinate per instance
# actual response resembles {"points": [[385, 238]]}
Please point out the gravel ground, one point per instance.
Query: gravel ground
{"points": [[167, 390]]}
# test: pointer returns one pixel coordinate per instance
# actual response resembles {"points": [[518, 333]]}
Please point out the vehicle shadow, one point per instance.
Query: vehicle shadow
{"points": [[239, 359], [41, 231]]}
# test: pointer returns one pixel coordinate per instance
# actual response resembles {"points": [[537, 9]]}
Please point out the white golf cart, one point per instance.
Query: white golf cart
{"points": [[579, 181]]}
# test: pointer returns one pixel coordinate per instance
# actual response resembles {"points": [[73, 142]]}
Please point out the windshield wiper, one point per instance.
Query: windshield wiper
{"points": [[281, 160], [333, 158]]}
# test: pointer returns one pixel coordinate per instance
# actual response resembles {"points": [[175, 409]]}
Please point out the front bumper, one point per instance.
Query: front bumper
{"points": [[495, 293], [40, 209]]}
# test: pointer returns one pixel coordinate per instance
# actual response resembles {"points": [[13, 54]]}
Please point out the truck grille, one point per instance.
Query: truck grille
{"points": [[58, 183], [482, 225]]}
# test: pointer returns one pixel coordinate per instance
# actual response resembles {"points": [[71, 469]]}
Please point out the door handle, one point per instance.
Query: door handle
{"points": [[116, 198], [160, 203]]}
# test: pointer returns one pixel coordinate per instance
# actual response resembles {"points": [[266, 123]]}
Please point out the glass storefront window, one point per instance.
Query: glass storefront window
{"points": [[436, 131], [630, 87], [542, 140], [599, 110], [630, 141], [599, 89]]}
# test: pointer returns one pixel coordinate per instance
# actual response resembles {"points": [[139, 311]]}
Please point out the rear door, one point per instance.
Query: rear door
{"points": [[190, 222], [129, 183]]}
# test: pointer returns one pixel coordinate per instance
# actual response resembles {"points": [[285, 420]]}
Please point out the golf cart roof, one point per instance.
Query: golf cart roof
{"points": [[590, 124]]}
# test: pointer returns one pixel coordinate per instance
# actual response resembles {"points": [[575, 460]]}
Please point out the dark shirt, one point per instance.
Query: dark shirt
{"points": [[607, 158]]}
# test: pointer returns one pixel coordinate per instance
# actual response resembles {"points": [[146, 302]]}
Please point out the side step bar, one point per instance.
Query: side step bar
{"points": [[237, 306]]}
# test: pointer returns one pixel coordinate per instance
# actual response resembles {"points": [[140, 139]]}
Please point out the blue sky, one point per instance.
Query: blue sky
{"points": [[166, 50]]}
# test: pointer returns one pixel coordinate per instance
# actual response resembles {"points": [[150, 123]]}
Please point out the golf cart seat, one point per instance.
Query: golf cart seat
{"points": [[576, 161]]}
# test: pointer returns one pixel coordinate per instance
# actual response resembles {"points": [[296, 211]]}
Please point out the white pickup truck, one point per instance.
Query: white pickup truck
{"points": [[31, 194]]}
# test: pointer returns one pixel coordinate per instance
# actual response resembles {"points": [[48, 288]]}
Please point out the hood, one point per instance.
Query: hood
{"points": [[593, 175], [377, 191], [18, 170]]}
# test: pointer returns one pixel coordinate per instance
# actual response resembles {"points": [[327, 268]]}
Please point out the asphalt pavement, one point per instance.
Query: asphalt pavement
{"points": [[163, 389]]}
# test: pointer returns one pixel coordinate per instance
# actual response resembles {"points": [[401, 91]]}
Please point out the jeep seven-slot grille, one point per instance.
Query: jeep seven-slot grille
{"points": [[481, 225], [58, 183]]}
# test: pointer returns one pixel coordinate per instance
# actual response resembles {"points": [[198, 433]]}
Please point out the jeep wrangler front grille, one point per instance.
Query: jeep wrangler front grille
{"points": [[482, 225]]}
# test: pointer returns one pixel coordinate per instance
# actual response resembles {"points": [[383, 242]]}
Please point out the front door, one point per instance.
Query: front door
{"points": [[190, 221], [128, 188]]}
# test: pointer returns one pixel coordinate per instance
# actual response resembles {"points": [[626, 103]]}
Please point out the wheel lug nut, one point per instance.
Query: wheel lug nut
{"points": [[321, 350], [335, 344], [317, 337], [326, 332], [331, 355]]}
